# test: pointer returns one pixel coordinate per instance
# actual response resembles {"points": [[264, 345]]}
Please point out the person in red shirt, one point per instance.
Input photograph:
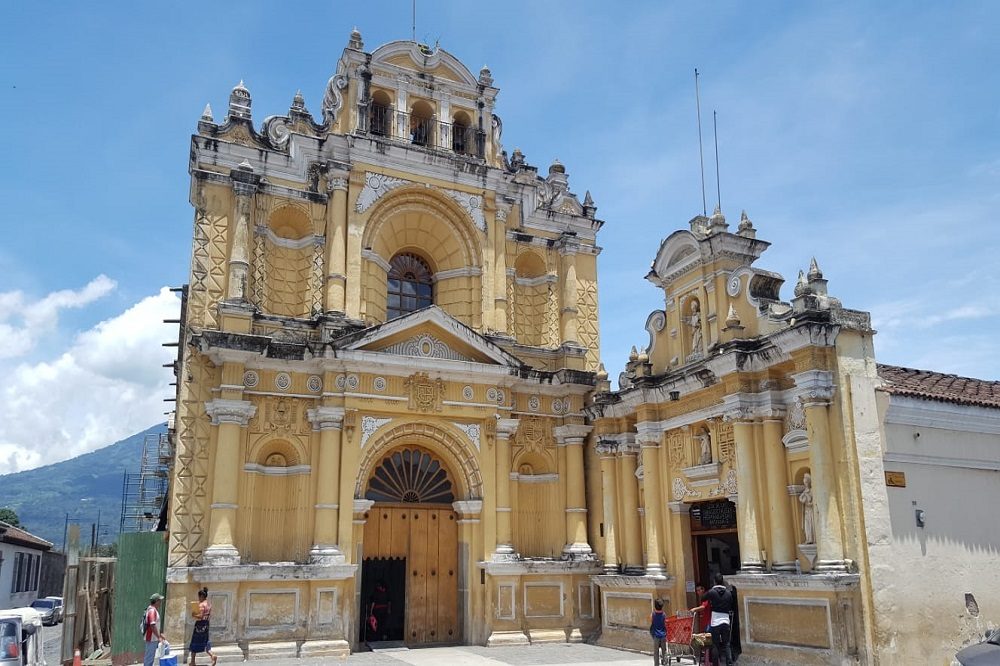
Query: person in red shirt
{"points": [[153, 636], [702, 615]]}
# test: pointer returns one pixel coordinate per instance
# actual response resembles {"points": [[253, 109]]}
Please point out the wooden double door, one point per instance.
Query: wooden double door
{"points": [[421, 540]]}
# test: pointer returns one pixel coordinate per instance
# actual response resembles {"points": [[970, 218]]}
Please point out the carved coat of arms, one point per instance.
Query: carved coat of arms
{"points": [[426, 394]]}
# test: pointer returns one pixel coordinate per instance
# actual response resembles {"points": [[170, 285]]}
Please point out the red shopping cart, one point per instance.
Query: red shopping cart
{"points": [[680, 628]]}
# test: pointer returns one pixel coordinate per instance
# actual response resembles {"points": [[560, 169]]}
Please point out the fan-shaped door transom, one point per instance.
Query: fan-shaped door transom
{"points": [[413, 476]]}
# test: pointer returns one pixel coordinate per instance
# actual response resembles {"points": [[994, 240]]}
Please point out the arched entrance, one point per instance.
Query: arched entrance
{"points": [[410, 572]]}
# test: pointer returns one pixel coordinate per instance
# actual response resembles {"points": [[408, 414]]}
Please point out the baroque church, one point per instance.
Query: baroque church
{"points": [[393, 423]]}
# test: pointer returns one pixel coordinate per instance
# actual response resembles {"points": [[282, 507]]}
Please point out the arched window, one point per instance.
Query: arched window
{"points": [[460, 135], [409, 285], [381, 114]]}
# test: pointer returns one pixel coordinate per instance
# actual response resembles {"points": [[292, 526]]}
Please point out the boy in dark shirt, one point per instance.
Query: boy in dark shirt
{"points": [[721, 600]]}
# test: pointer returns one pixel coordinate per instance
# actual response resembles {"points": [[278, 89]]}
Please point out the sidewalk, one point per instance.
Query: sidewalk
{"points": [[473, 655]]}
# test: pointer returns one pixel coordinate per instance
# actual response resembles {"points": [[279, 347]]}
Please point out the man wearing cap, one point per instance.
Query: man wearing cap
{"points": [[153, 635]]}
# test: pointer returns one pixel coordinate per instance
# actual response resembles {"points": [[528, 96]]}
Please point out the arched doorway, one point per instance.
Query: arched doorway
{"points": [[410, 571]]}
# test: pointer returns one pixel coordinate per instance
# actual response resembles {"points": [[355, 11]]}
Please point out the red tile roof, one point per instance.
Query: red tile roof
{"points": [[939, 386], [12, 534]]}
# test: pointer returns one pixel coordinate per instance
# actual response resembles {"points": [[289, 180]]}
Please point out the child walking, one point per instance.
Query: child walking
{"points": [[658, 630]]}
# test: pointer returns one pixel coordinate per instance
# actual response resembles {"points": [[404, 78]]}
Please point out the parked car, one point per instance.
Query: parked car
{"points": [[20, 638], [986, 653], [59, 607], [47, 609]]}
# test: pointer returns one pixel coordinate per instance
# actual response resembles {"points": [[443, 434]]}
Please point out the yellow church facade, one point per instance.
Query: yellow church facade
{"points": [[391, 339], [393, 423]]}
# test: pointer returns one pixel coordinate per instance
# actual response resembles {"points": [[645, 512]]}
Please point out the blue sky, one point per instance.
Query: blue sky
{"points": [[862, 133]]}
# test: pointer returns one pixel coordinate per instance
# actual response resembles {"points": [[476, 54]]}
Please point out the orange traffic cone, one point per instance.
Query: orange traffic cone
{"points": [[77, 661]]}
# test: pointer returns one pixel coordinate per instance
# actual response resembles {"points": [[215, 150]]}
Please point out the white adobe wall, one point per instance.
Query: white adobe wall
{"points": [[8, 600], [950, 455]]}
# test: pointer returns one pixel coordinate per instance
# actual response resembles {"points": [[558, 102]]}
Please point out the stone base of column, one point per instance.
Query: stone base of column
{"points": [[655, 570], [830, 566], [577, 551], [634, 570], [751, 567], [221, 555], [505, 553], [611, 569], [785, 567], [326, 554]]}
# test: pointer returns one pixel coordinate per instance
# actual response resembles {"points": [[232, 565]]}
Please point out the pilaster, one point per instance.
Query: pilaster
{"points": [[230, 416], [505, 541], [746, 502], [629, 493], [649, 442], [571, 438], [607, 451], [328, 421], [782, 544]]}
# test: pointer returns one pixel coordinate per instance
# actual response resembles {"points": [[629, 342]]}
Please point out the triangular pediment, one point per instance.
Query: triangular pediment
{"points": [[430, 333]]}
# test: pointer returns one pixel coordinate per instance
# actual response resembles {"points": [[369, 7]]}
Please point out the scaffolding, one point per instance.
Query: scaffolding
{"points": [[145, 492]]}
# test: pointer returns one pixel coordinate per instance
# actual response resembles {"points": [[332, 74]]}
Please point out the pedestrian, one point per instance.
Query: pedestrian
{"points": [[720, 626], [658, 630], [199, 637], [700, 638], [379, 610], [153, 636]]}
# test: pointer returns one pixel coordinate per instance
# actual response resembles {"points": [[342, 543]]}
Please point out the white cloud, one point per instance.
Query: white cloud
{"points": [[107, 385], [23, 322]]}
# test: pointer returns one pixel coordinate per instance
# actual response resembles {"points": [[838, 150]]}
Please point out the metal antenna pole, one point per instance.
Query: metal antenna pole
{"points": [[718, 186], [414, 24], [701, 152]]}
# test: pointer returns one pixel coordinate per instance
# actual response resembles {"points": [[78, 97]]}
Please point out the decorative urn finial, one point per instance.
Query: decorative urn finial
{"points": [[355, 41], [239, 102]]}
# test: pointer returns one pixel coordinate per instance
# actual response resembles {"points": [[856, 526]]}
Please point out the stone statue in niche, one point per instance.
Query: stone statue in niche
{"points": [[705, 440], [806, 499], [694, 321], [275, 460]]}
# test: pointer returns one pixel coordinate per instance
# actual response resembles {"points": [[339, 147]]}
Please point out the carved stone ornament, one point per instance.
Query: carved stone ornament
{"points": [[682, 492], [251, 378], [675, 449], [425, 346], [490, 430], [727, 488], [534, 433], [369, 424], [314, 383], [280, 414], [471, 431], [333, 100], [376, 185], [282, 381], [606, 447], [472, 204], [426, 394], [230, 411], [727, 443], [796, 418], [326, 418]]}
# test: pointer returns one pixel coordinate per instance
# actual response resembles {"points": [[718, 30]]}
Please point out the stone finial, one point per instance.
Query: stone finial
{"points": [[602, 374], [486, 76], [206, 115], [746, 226], [801, 285], [588, 205], [814, 272], [717, 223], [732, 319], [298, 103], [643, 356], [556, 167], [245, 166], [239, 102], [355, 41], [633, 355], [517, 159]]}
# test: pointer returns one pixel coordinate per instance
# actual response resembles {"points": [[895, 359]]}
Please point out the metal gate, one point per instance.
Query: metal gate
{"points": [[141, 571]]}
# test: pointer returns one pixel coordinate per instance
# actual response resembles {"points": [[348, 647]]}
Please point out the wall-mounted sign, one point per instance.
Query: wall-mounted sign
{"points": [[895, 479], [718, 515]]}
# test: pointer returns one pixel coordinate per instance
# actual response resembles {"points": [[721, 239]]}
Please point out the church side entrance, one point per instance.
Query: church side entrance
{"points": [[409, 576], [714, 542]]}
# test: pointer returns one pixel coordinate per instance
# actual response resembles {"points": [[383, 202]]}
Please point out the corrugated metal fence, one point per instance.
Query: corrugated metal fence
{"points": [[142, 570]]}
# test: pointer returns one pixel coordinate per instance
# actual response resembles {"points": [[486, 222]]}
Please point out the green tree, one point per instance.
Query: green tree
{"points": [[9, 516]]}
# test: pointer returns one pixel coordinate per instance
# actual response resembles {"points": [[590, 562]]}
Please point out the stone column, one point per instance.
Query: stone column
{"points": [[569, 293], [469, 512], [500, 322], [829, 544], [571, 437], [629, 492], [649, 441], [609, 492], [326, 549], [782, 546], [244, 187], [336, 242], [746, 503], [230, 416], [505, 536]]}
